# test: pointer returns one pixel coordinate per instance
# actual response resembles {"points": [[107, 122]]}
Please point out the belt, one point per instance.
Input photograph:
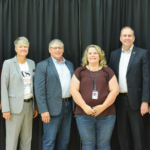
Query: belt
{"points": [[125, 94], [66, 99], [28, 100]]}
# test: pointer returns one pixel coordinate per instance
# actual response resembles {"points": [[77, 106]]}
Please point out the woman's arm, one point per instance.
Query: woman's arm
{"points": [[74, 90], [114, 91]]}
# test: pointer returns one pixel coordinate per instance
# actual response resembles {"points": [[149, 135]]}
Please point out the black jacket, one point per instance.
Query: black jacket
{"points": [[137, 75]]}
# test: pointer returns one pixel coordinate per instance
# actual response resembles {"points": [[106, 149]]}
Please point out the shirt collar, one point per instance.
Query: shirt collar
{"points": [[130, 50], [55, 60]]}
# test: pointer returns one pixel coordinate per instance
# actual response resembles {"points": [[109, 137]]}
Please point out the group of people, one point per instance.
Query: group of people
{"points": [[54, 90]]}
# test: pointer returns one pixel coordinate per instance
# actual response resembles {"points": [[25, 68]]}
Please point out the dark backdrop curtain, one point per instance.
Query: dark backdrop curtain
{"points": [[77, 23], [40, 21], [101, 23], [102, 20]]}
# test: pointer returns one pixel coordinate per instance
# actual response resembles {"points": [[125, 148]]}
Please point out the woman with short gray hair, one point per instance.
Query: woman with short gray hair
{"points": [[17, 97]]}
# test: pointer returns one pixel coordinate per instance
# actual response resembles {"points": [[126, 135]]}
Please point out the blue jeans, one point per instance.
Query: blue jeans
{"points": [[58, 129], [95, 132]]}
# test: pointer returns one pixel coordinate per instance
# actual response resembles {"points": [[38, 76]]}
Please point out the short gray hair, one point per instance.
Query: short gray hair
{"points": [[21, 40], [56, 41], [127, 27]]}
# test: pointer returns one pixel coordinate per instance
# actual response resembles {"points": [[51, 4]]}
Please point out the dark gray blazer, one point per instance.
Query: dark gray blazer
{"points": [[47, 86], [12, 85], [138, 75]]}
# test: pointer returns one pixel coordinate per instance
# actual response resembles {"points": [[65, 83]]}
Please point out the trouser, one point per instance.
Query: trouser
{"points": [[57, 131], [20, 124], [129, 122], [95, 132]]}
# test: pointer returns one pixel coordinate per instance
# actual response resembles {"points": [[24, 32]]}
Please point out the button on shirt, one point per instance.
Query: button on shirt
{"points": [[123, 65], [64, 76]]}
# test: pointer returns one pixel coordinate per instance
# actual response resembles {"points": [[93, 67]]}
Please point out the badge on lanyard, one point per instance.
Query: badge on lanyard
{"points": [[95, 94]]}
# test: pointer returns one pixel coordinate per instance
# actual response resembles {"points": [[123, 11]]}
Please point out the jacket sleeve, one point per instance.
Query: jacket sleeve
{"points": [[145, 78], [4, 87], [39, 86], [35, 103]]}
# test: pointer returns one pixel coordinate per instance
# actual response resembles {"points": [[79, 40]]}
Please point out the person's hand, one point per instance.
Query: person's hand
{"points": [[35, 113], [7, 115], [45, 117], [74, 115], [98, 109], [88, 110], [144, 108]]}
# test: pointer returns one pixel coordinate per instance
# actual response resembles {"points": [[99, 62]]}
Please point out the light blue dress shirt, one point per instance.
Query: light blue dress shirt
{"points": [[64, 76]]}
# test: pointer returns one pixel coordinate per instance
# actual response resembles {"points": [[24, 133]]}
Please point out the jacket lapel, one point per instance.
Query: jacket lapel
{"points": [[30, 69], [69, 67], [52, 66], [117, 62], [17, 67], [133, 54]]}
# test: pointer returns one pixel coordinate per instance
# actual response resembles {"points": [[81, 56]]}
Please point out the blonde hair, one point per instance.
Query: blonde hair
{"points": [[101, 53], [127, 27], [22, 40], [56, 41]]}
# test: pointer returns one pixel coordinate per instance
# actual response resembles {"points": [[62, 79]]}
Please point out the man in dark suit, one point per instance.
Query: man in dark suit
{"points": [[52, 83], [130, 64]]}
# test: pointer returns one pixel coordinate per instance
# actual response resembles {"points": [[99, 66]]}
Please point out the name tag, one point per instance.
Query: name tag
{"points": [[95, 94]]}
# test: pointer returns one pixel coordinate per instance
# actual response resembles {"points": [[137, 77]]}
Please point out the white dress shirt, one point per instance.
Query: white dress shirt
{"points": [[123, 65], [64, 76]]}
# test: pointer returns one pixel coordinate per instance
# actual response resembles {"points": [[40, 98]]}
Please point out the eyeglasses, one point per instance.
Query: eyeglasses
{"points": [[55, 48]]}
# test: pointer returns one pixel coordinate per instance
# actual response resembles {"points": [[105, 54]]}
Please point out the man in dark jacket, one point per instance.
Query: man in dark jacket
{"points": [[130, 64]]}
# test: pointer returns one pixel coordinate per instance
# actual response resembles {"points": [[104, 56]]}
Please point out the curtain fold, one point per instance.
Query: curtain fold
{"points": [[100, 24], [102, 20]]}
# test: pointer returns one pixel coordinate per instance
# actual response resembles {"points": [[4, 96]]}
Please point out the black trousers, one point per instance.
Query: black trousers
{"points": [[129, 122]]}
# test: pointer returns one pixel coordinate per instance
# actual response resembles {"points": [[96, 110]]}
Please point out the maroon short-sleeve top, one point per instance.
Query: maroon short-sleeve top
{"points": [[87, 86]]}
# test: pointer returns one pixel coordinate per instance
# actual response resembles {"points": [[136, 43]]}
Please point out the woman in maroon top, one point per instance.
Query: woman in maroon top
{"points": [[94, 89]]}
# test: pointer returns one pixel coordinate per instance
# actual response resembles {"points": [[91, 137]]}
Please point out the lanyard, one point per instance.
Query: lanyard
{"points": [[94, 80]]}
